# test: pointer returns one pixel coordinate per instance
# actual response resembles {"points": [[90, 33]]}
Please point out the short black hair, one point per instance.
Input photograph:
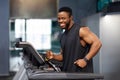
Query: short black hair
{"points": [[66, 9]]}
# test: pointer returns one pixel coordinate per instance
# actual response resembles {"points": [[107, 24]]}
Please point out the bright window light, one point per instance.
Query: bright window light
{"points": [[38, 33], [20, 28]]}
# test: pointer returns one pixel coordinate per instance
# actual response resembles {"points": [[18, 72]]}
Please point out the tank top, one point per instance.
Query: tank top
{"points": [[73, 50]]}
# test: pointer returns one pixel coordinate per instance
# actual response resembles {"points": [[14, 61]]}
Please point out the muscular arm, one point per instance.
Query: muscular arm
{"points": [[90, 38], [51, 55], [58, 57]]}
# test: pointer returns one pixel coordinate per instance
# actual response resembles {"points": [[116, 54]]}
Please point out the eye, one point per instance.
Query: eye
{"points": [[58, 18], [63, 18]]}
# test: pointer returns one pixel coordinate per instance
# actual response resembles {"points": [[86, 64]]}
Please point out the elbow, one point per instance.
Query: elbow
{"points": [[99, 44]]}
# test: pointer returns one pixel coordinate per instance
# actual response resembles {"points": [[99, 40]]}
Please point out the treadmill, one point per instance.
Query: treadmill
{"points": [[38, 68]]}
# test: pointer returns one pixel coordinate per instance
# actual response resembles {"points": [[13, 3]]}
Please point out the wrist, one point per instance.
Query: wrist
{"points": [[53, 56], [85, 59]]}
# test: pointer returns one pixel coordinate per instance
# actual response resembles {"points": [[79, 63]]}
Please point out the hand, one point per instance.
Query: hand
{"points": [[49, 55], [81, 63]]}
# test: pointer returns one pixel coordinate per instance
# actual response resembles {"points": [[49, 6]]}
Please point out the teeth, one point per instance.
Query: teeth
{"points": [[62, 24]]}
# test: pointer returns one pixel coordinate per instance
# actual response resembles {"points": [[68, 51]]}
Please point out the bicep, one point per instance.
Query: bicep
{"points": [[87, 35]]}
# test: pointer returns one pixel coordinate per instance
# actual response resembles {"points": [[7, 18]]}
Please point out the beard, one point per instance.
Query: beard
{"points": [[67, 25]]}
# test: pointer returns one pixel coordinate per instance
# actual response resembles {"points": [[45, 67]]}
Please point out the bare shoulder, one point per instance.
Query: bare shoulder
{"points": [[84, 30]]}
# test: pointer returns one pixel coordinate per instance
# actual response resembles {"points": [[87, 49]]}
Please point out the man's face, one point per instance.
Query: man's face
{"points": [[64, 20]]}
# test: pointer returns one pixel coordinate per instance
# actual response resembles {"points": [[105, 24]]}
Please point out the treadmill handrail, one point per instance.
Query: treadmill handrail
{"points": [[36, 54], [32, 49]]}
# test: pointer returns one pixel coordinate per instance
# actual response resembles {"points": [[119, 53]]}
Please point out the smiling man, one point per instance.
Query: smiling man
{"points": [[78, 44]]}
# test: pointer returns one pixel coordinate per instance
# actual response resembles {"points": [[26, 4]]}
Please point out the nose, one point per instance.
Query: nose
{"points": [[60, 20]]}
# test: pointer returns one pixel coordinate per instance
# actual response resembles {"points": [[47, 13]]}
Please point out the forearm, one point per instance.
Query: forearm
{"points": [[58, 57], [94, 49]]}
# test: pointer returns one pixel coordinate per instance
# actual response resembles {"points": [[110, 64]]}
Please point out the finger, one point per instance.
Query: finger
{"points": [[75, 62]]}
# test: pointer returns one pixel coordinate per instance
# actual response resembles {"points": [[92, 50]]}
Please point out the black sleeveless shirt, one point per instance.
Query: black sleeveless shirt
{"points": [[73, 50]]}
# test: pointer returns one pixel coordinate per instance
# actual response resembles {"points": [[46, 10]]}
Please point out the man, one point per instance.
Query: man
{"points": [[78, 44]]}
